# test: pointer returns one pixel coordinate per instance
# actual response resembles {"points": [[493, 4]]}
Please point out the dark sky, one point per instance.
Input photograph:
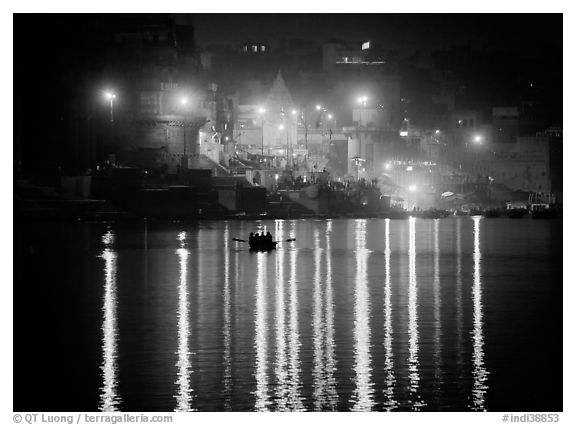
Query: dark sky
{"points": [[508, 31]]}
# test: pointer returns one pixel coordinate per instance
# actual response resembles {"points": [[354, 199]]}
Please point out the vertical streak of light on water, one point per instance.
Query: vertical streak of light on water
{"points": [[363, 394], [227, 337], [413, 337], [389, 402], [331, 392], [184, 396], [459, 348], [280, 324], [295, 397], [437, 316], [317, 328], [480, 373], [261, 341], [109, 397]]}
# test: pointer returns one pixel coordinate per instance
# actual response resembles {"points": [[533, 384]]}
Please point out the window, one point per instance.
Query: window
{"points": [[245, 48], [254, 48], [263, 48]]}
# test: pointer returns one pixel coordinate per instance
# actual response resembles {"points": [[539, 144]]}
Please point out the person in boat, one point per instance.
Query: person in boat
{"points": [[268, 238], [251, 238]]}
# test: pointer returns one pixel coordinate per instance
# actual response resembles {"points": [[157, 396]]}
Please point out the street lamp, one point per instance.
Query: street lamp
{"points": [[261, 112], [184, 104], [362, 100], [110, 96]]}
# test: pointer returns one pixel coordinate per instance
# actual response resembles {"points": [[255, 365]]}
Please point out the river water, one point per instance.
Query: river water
{"points": [[457, 314]]}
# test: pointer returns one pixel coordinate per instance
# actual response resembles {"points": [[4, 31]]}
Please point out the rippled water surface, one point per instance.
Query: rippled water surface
{"points": [[456, 314]]}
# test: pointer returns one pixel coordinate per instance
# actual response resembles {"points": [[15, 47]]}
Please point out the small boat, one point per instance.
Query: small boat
{"points": [[262, 245]]}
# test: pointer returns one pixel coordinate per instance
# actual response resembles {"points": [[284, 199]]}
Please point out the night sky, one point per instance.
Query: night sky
{"points": [[515, 32]]}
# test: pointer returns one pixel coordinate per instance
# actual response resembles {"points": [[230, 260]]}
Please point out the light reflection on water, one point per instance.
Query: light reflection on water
{"points": [[438, 379], [261, 338], [297, 330], [227, 355], [295, 397], [413, 337], [390, 402], [480, 372], [183, 365], [363, 394], [109, 398]]}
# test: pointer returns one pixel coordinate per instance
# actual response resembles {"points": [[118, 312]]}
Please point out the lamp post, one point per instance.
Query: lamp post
{"points": [[261, 112], [477, 140], [184, 104], [362, 100], [111, 96]]}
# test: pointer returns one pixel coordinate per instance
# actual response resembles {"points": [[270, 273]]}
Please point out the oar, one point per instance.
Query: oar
{"points": [[238, 240], [287, 240]]}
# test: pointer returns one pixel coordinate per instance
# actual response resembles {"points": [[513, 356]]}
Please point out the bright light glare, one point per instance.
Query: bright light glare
{"points": [[437, 132], [281, 127], [388, 166], [294, 112], [318, 107], [329, 116], [478, 138], [261, 110], [409, 168], [403, 133], [412, 188], [184, 101], [109, 95]]}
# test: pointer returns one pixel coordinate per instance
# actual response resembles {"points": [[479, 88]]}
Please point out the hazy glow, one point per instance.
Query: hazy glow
{"points": [[184, 366], [329, 116], [477, 139], [390, 380], [318, 107], [388, 166], [412, 188], [294, 111], [409, 168], [403, 133], [480, 373], [362, 398], [109, 95], [261, 110], [109, 398], [281, 126]]}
